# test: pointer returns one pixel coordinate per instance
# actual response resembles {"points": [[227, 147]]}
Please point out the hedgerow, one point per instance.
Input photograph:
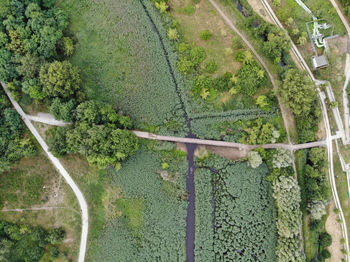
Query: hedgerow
{"points": [[162, 233], [227, 128], [244, 214]]}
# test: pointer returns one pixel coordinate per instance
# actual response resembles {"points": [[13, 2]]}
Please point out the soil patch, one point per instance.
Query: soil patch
{"points": [[334, 229]]}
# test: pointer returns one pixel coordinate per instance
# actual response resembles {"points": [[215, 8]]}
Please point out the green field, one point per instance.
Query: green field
{"points": [[121, 58], [149, 220], [244, 212]]}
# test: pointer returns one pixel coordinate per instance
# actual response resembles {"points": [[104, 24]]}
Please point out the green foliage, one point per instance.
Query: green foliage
{"points": [[34, 89], [264, 103], [29, 66], [243, 213], [287, 195], [62, 110], [60, 79], [102, 145], [189, 9], [162, 233], [298, 92], [258, 132], [250, 78], [276, 41], [13, 144], [68, 46], [22, 242], [211, 67], [205, 35], [133, 210], [172, 34]]}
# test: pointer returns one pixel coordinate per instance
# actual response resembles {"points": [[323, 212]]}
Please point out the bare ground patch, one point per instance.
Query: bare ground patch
{"points": [[334, 229]]}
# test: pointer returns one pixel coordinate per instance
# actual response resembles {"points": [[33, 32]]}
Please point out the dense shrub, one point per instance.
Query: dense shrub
{"points": [[22, 242], [250, 77], [13, 143]]}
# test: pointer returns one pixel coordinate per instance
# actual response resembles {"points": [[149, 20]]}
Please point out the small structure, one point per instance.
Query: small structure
{"points": [[319, 62]]}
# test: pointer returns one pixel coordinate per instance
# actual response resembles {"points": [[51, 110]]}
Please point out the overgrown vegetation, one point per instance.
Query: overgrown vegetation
{"points": [[242, 212], [312, 174], [153, 228], [14, 143], [22, 242], [299, 94]]}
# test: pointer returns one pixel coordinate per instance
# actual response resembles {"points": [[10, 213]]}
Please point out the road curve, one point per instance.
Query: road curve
{"points": [[63, 172]]}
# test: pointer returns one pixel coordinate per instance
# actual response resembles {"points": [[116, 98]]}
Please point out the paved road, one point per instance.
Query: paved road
{"points": [[47, 119], [327, 126], [197, 141], [63, 172]]}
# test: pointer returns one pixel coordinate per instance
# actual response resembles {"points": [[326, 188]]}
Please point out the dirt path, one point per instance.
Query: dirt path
{"points": [[334, 229]]}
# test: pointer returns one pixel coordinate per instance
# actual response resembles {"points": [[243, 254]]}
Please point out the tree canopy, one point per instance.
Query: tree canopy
{"points": [[298, 91]]}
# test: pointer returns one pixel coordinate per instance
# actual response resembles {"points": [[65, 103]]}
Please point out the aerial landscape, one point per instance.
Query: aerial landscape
{"points": [[174, 130]]}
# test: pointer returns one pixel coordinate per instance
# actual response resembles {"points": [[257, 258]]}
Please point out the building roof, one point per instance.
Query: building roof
{"points": [[319, 62]]}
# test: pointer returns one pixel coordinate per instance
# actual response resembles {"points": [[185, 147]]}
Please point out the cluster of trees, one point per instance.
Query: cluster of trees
{"points": [[14, 144], [21, 242], [316, 184], [287, 194], [299, 94], [32, 52], [258, 131], [346, 5], [99, 133], [276, 40]]}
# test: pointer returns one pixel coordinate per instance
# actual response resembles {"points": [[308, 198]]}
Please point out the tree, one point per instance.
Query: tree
{"points": [[56, 235], [62, 110], [57, 141], [60, 79], [263, 102], [34, 89], [287, 194], [162, 6], [68, 46], [254, 159], [298, 92], [172, 34], [248, 82], [317, 209], [30, 66], [197, 55], [282, 158]]}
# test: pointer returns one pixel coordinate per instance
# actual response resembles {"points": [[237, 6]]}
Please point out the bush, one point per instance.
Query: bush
{"points": [[205, 35], [211, 67], [189, 9]]}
